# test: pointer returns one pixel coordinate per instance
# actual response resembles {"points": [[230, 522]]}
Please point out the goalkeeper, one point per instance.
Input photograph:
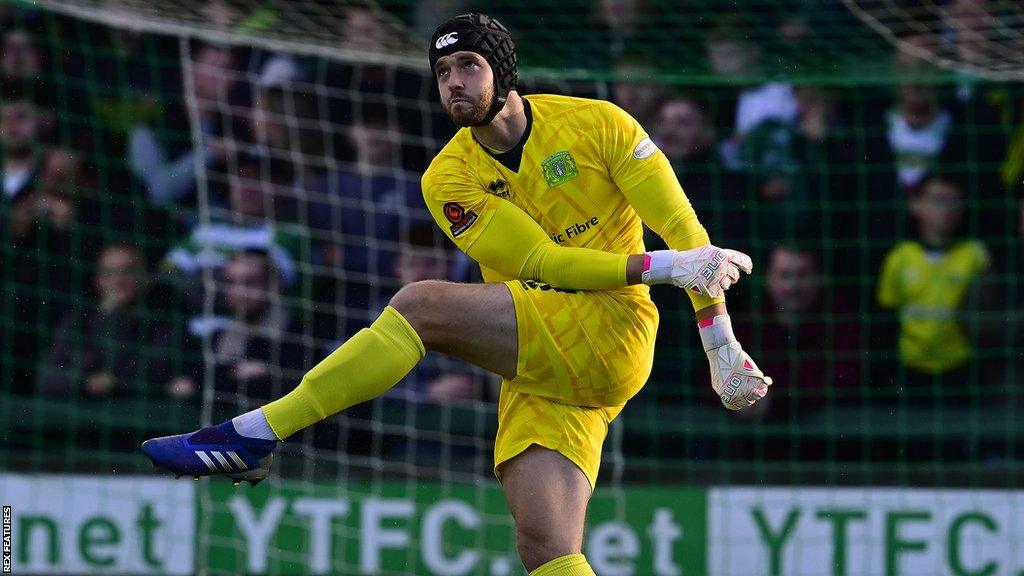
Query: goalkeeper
{"points": [[548, 194]]}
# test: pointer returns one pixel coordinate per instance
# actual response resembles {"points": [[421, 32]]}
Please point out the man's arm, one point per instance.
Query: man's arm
{"points": [[515, 245], [646, 179], [661, 204], [499, 235]]}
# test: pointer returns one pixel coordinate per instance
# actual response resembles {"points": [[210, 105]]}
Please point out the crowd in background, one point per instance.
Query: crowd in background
{"points": [[182, 213]]}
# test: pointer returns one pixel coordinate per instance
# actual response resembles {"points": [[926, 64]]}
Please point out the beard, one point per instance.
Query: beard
{"points": [[477, 111]]}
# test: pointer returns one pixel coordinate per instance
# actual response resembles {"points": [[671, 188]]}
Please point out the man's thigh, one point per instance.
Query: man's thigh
{"points": [[473, 322]]}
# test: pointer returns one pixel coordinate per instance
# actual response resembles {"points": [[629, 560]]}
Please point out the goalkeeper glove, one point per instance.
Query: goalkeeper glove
{"points": [[708, 270], [734, 376]]}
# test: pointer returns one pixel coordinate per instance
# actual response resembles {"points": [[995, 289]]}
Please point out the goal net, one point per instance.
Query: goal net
{"points": [[982, 38]]}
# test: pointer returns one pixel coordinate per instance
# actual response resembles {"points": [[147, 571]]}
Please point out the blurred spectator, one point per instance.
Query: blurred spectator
{"points": [[35, 231], [368, 28], [437, 379], [997, 322], [116, 348], [806, 339], [423, 255], [638, 91], [260, 216], [24, 76], [685, 135], [170, 178], [286, 120], [21, 154], [373, 201], [730, 53], [255, 345], [925, 281], [20, 58], [974, 31], [918, 128], [253, 18]]}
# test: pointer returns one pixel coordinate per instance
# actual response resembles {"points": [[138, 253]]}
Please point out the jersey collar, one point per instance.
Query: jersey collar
{"points": [[513, 157]]}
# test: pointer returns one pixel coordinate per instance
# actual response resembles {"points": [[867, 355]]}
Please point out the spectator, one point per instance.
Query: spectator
{"points": [[169, 177], [260, 217], [255, 345], [115, 348], [997, 322], [805, 336], [423, 255], [918, 128], [366, 28], [34, 231], [637, 90], [286, 120], [975, 30], [686, 136], [925, 281], [373, 201], [23, 76], [437, 379], [20, 59], [21, 152]]}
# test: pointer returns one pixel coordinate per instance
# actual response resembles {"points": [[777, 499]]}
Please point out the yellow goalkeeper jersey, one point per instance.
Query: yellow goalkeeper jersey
{"points": [[568, 174]]}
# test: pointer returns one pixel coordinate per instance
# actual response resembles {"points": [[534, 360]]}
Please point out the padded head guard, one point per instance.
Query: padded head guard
{"points": [[487, 37]]}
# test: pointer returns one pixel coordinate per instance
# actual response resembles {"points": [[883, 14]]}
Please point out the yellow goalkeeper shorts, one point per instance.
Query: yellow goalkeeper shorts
{"points": [[582, 355]]}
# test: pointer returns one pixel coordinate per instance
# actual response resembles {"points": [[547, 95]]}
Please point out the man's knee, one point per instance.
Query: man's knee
{"points": [[539, 544], [423, 305]]}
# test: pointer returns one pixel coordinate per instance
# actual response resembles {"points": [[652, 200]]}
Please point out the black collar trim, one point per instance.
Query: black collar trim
{"points": [[513, 157]]}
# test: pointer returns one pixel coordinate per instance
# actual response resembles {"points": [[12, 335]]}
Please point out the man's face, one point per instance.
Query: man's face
{"points": [[465, 83], [634, 92], [794, 283], [60, 172], [250, 195], [939, 208], [681, 131], [373, 144], [119, 276], [19, 57], [212, 75], [247, 284], [18, 126], [365, 31]]}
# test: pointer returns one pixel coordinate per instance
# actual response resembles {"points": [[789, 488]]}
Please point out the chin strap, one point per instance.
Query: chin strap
{"points": [[496, 107]]}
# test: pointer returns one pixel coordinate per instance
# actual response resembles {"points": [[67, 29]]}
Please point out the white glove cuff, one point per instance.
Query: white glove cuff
{"points": [[716, 332], [658, 267]]}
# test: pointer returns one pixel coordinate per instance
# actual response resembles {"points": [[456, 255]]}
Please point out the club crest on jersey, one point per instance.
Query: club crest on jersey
{"points": [[499, 188], [460, 219], [559, 168]]}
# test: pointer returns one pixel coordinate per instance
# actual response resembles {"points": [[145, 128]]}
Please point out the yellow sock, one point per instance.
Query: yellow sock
{"points": [[571, 565], [364, 367]]}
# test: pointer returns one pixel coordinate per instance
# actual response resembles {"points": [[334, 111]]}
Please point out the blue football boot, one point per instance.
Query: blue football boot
{"points": [[213, 451]]}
